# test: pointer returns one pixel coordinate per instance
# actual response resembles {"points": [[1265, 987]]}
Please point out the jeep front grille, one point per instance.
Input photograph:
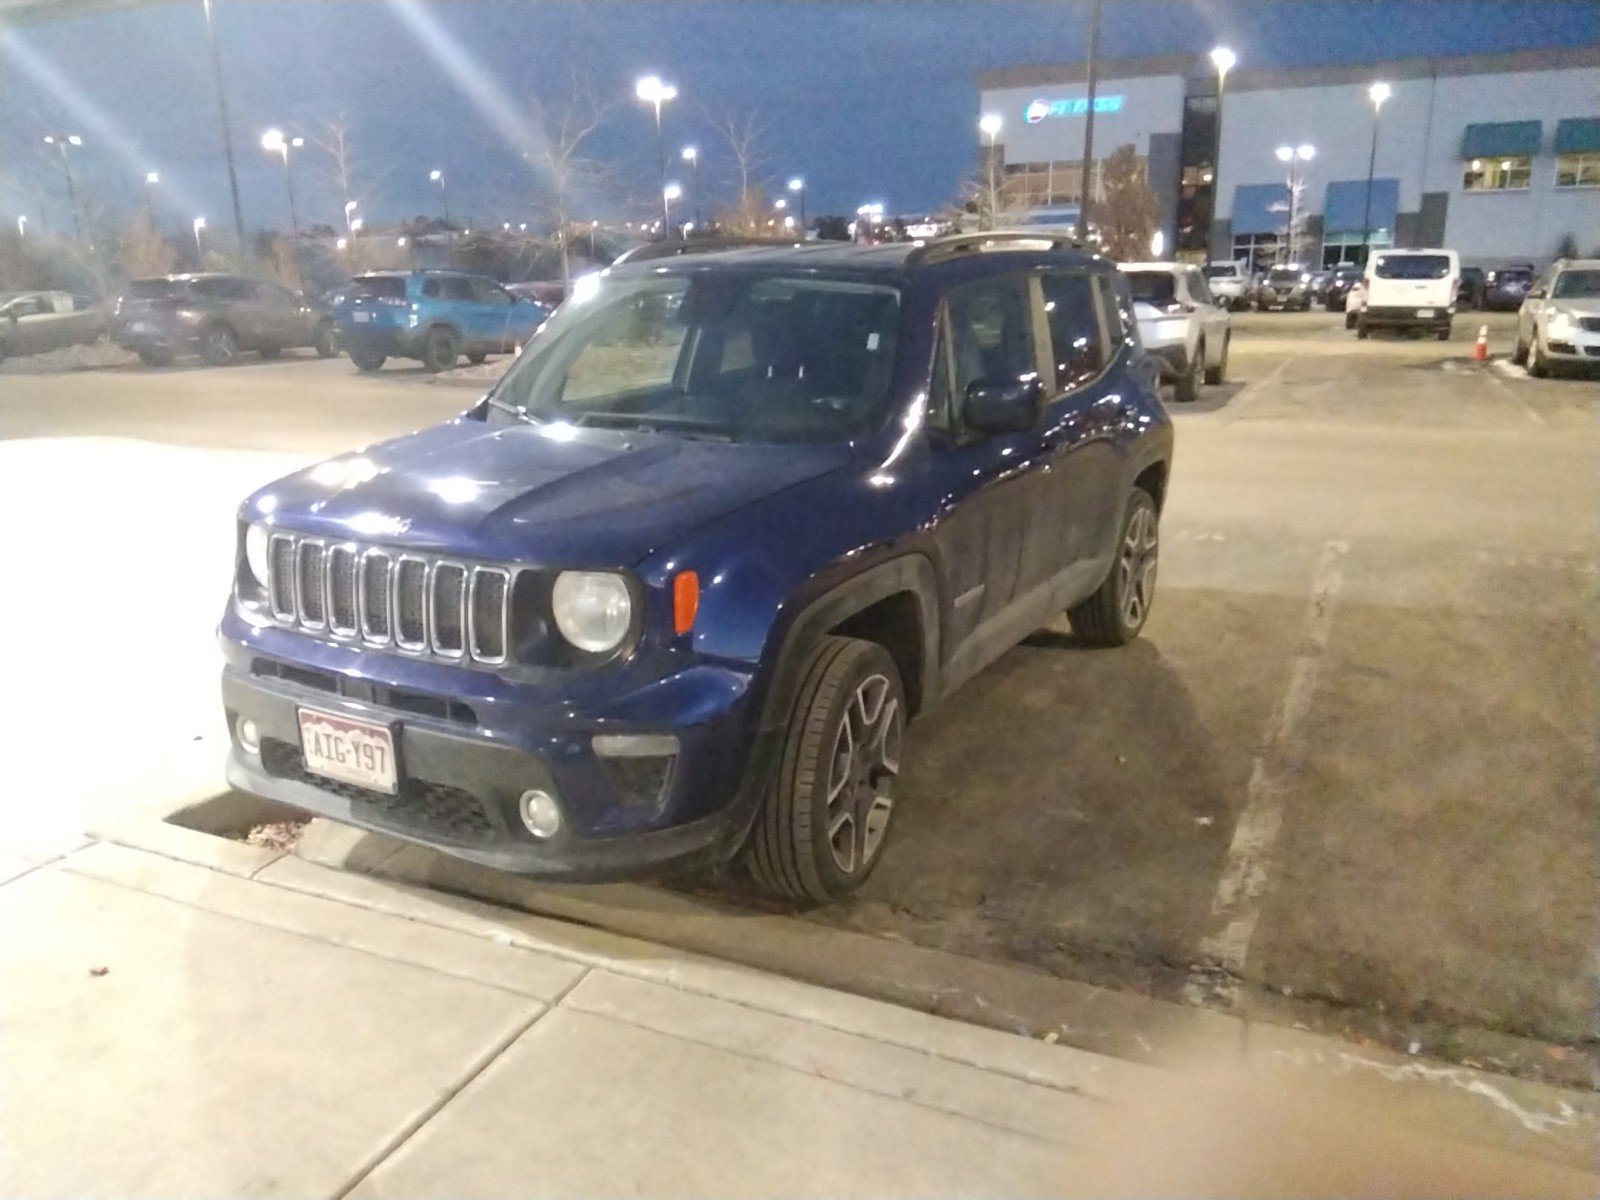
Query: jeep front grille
{"points": [[379, 597]]}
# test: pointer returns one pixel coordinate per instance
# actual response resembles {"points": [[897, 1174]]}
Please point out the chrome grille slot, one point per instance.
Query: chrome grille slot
{"points": [[280, 577], [488, 612], [376, 624], [447, 616], [410, 603], [341, 572], [343, 590], [309, 584]]}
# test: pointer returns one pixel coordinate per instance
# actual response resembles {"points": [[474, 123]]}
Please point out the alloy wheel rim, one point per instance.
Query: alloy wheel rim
{"points": [[862, 770], [1136, 566]]}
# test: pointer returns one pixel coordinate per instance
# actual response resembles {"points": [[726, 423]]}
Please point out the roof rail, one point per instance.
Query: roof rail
{"points": [[954, 245], [674, 247]]}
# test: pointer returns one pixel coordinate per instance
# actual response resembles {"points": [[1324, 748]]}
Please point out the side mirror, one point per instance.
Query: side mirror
{"points": [[1536, 293], [1014, 407]]}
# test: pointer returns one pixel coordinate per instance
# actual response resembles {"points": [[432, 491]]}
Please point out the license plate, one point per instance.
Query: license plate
{"points": [[363, 317], [357, 752], [1424, 312]]}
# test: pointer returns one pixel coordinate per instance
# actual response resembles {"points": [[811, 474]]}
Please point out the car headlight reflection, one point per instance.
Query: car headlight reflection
{"points": [[592, 609], [255, 552], [1560, 322]]}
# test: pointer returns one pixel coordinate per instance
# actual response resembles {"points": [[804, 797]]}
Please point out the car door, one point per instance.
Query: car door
{"points": [[459, 309], [493, 310], [282, 314], [986, 336], [28, 324], [1075, 464], [1213, 317]]}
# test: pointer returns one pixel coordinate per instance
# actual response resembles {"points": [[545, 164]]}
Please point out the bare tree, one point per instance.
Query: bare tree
{"points": [[743, 134], [145, 250], [1126, 210], [563, 128], [348, 180]]}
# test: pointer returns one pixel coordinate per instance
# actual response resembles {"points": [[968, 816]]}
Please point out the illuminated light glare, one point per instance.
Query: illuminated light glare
{"points": [[456, 489], [377, 524], [559, 431], [584, 288], [1223, 59]]}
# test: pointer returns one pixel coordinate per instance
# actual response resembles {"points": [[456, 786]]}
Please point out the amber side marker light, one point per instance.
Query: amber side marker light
{"points": [[685, 600]]}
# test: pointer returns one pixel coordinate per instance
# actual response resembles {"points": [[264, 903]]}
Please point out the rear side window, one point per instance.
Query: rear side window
{"points": [[1153, 287], [153, 289], [487, 291], [224, 288], [1412, 266], [373, 287], [1077, 346], [991, 333], [430, 288], [453, 287]]}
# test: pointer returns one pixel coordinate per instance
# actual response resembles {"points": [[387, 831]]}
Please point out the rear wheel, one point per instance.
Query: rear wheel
{"points": [[477, 357], [825, 816], [1187, 389], [219, 345], [1117, 611], [326, 340], [440, 350], [1216, 374], [1442, 333], [367, 360], [1361, 328]]}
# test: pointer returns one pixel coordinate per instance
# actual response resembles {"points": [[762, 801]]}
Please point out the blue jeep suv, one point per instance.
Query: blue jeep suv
{"points": [[669, 593], [434, 316]]}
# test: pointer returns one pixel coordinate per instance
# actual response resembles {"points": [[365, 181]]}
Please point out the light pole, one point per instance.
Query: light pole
{"points": [[61, 141], [274, 142], [227, 125], [1377, 93], [349, 217], [1088, 121], [652, 91], [199, 246], [437, 176], [22, 227], [989, 124], [797, 185], [691, 155], [1223, 59], [151, 178], [669, 193], [1289, 155]]}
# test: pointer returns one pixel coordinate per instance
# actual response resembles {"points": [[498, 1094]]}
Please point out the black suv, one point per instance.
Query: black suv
{"points": [[671, 591], [216, 317]]}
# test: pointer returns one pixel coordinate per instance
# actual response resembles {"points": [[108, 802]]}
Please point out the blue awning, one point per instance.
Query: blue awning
{"points": [[1502, 139], [1578, 135], [1260, 208], [1344, 208]]}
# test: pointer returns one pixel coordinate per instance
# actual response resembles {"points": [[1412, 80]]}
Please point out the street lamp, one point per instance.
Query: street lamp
{"points": [[691, 155], [653, 92], [274, 142], [227, 124], [61, 141], [797, 185], [349, 221], [1289, 155], [780, 204], [1377, 93], [1223, 59], [199, 247], [437, 176], [151, 178], [989, 125], [355, 225]]}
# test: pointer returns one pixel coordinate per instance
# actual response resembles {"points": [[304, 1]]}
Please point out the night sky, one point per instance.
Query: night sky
{"points": [[869, 101]]}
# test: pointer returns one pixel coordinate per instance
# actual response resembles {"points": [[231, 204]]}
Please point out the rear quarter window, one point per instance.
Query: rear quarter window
{"points": [[390, 287], [1152, 287]]}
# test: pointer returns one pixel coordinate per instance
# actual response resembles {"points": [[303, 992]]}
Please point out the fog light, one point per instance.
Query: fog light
{"points": [[539, 813], [249, 736]]}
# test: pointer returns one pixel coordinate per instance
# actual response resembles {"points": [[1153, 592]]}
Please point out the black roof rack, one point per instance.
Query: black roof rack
{"points": [[954, 245], [673, 247]]}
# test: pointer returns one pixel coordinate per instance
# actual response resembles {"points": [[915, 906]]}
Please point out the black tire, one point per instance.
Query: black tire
{"points": [[219, 345], [1349, 319], [477, 357], [270, 352], [326, 340], [155, 358], [1362, 331], [1108, 618], [440, 349], [1538, 365], [1442, 333], [1187, 389], [1519, 353], [844, 735], [368, 361], [1218, 371]]}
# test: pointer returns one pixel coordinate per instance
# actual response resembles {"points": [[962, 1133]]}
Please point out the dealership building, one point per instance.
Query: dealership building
{"points": [[1496, 156]]}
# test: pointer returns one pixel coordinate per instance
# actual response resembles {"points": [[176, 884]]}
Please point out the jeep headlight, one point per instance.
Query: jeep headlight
{"points": [[1560, 323], [255, 552], [593, 609]]}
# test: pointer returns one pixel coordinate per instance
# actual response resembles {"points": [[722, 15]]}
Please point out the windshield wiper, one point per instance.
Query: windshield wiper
{"points": [[514, 410]]}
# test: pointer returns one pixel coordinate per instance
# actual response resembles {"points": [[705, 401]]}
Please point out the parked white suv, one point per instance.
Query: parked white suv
{"points": [[1229, 283], [1181, 324], [1559, 322], [1408, 289]]}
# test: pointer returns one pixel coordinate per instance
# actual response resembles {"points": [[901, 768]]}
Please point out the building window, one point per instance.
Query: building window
{"points": [[1348, 247], [1042, 184], [1578, 170], [1498, 174], [1256, 249]]}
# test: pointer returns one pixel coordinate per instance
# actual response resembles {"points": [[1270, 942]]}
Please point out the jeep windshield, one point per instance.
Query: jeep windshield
{"points": [[736, 355]]}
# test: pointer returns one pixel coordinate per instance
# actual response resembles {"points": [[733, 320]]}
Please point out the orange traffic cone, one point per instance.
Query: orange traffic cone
{"points": [[1481, 350]]}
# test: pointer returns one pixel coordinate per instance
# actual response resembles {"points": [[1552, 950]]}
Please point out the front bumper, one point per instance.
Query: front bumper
{"points": [[1268, 301], [464, 760], [1407, 318], [1575, 345]]}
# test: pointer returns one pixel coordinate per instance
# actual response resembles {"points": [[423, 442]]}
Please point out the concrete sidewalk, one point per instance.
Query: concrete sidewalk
{"points": [[251, 1023]]}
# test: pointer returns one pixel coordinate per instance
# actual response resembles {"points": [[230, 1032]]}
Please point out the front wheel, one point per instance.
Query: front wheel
{"points": [[1519, 354], [1187, 389], [1117, 611], [825, 816], [440, 350], [1538, 365]]}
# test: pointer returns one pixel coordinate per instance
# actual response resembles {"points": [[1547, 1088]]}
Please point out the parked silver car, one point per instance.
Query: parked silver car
{"points": [[1181, 324], [33, 322], [1559, 323]]}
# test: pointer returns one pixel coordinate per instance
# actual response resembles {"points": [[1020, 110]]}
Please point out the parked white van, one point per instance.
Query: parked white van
{"points": [[1409, 289]]}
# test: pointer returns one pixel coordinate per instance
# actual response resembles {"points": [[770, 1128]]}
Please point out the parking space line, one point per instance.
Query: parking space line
{"points": [[1236, 906], [1498, 379]]}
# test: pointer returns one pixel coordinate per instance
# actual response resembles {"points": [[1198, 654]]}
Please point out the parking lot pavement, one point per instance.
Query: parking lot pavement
{"points": [[1346, 778]]}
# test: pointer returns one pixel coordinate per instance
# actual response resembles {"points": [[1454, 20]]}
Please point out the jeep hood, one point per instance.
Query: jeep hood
{"points": [[549, 495]]}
